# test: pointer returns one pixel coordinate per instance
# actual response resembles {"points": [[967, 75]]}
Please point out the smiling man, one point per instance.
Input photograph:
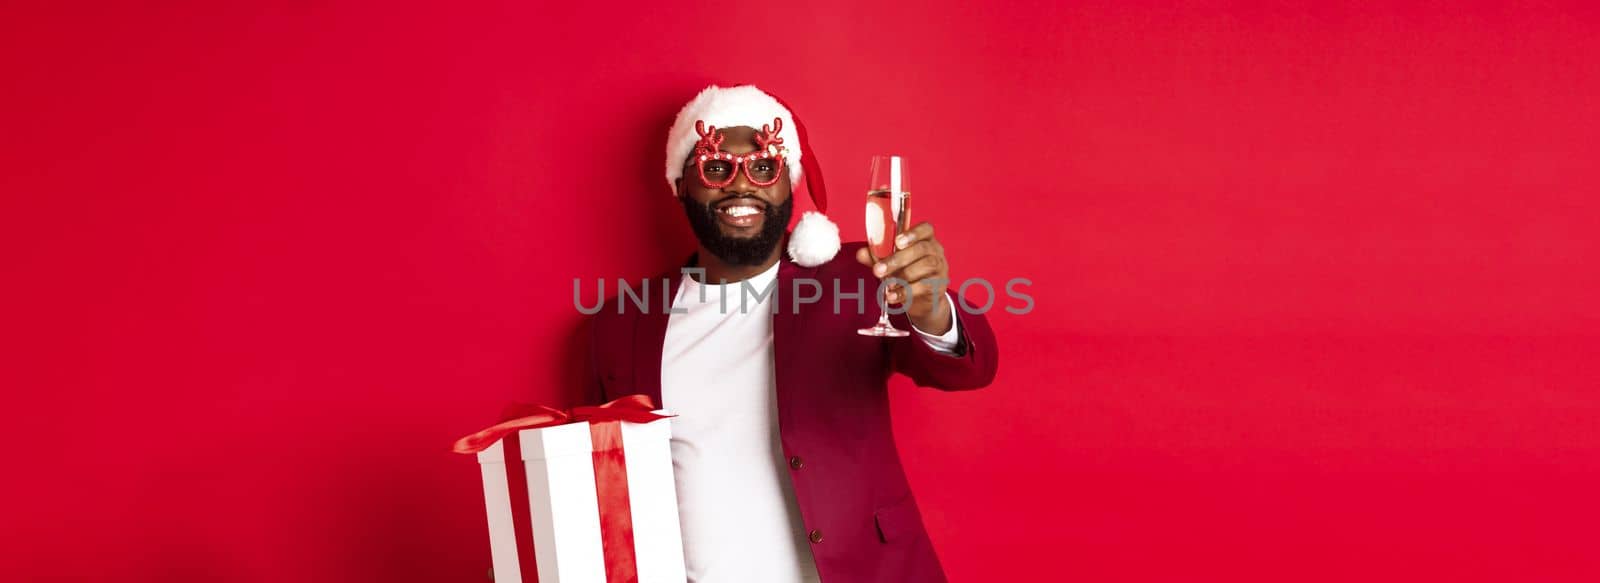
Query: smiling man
{"points": [[782, 450]]}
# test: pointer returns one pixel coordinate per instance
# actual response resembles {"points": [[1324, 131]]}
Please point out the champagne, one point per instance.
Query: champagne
{"points": [[888, 215], [883, 224]]}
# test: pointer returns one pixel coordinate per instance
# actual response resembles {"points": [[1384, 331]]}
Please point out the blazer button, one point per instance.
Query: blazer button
{"points": [[796, 463], [816, 536]]}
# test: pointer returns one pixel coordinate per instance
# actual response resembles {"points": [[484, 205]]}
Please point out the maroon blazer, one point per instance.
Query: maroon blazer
{"points": [[833, 409]]}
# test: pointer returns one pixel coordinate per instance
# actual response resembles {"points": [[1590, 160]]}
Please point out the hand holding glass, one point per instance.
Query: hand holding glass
{"points": [[888, 215]]}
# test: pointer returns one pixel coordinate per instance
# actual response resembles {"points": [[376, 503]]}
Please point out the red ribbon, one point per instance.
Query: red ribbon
{"points": [[616, 511], [521, 511], [632, 408], [610, 475]]}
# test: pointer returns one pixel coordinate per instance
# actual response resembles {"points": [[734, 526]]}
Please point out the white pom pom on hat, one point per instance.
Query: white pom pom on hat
{"points": [[815, 239]]}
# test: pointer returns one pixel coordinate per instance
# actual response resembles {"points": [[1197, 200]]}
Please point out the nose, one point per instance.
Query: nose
{"points": [[741, 184]]}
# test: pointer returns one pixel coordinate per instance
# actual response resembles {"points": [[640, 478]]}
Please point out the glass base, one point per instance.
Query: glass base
{"points": [[883, 330]]}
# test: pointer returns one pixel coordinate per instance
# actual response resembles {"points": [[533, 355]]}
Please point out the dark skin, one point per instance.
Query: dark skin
{"points": [[736, 140], [918, 259]]}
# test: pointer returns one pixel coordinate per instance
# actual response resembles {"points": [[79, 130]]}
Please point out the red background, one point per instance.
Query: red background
{"points": [[1314, 286]]}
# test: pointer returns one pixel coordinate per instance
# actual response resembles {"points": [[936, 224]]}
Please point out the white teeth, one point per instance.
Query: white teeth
{"points": [[741, 211]]}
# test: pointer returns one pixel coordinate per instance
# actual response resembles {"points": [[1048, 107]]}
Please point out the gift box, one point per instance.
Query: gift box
{"points": [[581, 496]]}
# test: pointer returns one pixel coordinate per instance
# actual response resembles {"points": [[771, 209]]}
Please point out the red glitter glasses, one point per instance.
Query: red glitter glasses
{"points": [[763, 167]]}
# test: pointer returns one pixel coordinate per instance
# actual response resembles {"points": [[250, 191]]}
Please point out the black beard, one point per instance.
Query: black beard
{"points": [[745, 251]]}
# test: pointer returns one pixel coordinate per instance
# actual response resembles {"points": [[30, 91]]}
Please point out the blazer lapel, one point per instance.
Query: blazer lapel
{"points": [[788, 331], [649, 336]]}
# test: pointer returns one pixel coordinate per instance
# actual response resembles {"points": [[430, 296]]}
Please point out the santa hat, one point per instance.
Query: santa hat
{"points": [[815, 239]]}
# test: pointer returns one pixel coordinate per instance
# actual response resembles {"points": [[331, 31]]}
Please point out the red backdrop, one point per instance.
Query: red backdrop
{"points": [[1314, 286]]}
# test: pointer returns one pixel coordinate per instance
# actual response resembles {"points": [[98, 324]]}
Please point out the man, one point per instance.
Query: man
{"points": [[783, 453]]}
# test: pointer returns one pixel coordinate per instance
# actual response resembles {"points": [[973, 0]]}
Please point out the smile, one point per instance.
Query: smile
{"points": [[742, 213]]}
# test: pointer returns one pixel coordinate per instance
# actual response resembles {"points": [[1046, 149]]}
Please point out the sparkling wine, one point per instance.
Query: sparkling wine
{"points": [[882, 220], [888, 215]]}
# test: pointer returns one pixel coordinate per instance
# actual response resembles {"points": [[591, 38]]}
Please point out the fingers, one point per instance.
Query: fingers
{"points": [[923, 293], [919, 262], [893, 295], [909, 256], [922, 232], [864, 256], [929, 265], [927, 268]]}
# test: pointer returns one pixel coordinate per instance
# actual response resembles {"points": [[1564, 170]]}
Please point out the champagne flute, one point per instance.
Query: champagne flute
{"points": [[888, 215]]}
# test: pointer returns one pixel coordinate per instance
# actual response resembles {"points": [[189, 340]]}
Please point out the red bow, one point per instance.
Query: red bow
{"points": [[632, 408]]}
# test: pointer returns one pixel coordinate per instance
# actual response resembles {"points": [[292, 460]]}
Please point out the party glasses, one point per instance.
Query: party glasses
{"points": [[717, 168]]}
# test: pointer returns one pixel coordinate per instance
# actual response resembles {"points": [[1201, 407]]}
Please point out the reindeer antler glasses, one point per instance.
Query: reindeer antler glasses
{"points": [[763, 167]]}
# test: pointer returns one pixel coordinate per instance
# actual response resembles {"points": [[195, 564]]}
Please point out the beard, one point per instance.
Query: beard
{"points": [[747, 251]]}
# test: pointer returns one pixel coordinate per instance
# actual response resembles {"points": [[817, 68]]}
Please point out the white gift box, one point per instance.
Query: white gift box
{"points": [[564, 508]]}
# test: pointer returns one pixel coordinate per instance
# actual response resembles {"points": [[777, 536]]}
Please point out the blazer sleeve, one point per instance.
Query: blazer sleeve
{"points": [[973, 367]]}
